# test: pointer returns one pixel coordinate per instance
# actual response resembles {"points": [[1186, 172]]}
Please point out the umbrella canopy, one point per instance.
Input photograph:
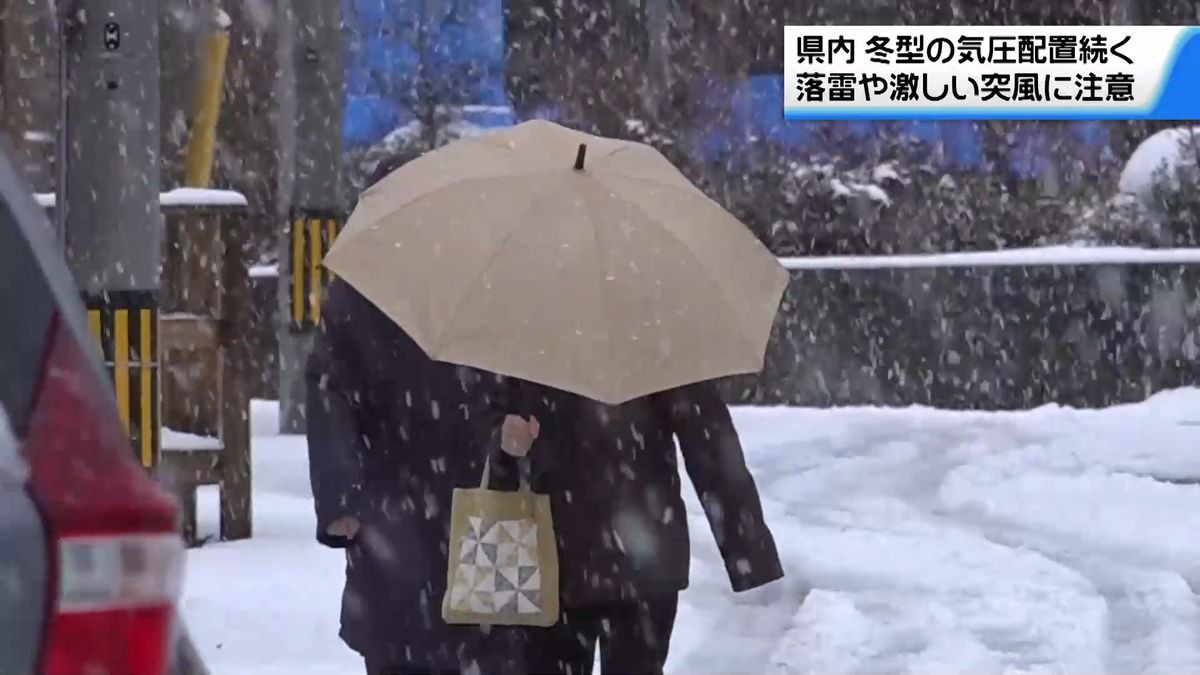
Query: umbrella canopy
{"points": [[575, 261]]}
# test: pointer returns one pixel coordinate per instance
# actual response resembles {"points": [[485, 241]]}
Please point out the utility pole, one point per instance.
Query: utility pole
{"points": [[29, 87], [317, 209], [109, 202]]}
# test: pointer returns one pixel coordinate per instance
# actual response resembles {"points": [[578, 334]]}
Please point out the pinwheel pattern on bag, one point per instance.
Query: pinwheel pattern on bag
{"points": [[498, 570]]}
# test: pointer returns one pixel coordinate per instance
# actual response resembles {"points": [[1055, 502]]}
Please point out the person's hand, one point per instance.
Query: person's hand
{"points": [[517, 435], [346, 527]]}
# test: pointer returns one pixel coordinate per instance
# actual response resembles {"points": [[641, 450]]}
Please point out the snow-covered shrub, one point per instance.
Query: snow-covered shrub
{"points": [[1165, 159], [1172, 194], [1122, 220], [1159, 199], [896, 201], [1177, 206]]}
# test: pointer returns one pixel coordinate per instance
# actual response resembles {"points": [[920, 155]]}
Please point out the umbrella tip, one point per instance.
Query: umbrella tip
{"points": [[579, 156]]}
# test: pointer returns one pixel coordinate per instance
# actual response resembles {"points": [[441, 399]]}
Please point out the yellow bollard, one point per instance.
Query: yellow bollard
{"points": [[207, 107]]}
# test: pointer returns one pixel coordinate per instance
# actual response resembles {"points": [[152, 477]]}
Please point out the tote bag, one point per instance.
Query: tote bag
{"points": [[503, 567]]}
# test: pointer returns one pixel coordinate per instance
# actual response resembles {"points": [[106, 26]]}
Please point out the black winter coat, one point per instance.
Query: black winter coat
{"points": [[613, 479], [391, 433]]}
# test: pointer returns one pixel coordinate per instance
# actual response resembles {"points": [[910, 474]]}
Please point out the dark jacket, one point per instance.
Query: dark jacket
{"points": [[613, 479], [391, 433]]}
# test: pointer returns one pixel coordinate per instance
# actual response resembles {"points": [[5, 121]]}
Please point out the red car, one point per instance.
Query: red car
{"points": [[91, 562]]}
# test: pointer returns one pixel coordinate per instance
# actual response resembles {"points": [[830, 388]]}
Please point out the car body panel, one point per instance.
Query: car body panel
{"points": [[37, 291], [23, 565]]}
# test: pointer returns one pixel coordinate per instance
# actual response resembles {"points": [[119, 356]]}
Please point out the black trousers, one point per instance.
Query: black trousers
{"points": [[634, 639], [374, 668]]}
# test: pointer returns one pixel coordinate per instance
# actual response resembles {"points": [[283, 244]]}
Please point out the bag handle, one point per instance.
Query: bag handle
{"points": [[523, 469]]}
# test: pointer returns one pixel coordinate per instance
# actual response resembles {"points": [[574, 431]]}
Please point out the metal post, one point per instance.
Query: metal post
{"points": [[316, 204], [206, 104], [111, 210], [29, 87]]}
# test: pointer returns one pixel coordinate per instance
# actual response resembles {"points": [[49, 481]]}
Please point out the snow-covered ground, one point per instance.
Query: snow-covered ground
{"points": [[915, 541]]}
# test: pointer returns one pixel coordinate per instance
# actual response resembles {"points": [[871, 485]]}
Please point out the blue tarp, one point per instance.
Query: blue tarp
{"points": [[465, 55]]}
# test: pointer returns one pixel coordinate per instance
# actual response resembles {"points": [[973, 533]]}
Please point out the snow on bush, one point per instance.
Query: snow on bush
{"points": [[1164, 157], [899, 202], [1158, 203]]}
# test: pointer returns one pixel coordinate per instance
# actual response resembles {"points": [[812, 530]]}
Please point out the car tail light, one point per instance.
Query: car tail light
{"points": [[116, 554]]}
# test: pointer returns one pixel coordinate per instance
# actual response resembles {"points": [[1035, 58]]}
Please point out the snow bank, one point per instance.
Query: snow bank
{"points": [[1049, 255]]}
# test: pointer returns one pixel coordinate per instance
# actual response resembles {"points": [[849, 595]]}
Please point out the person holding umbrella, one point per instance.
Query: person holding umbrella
{"points": [[622, 529], [390, 434], [609, 292]]}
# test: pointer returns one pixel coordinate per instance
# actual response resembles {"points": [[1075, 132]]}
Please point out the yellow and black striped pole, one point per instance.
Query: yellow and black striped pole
{"points": [[312, 234], [125, 326]]}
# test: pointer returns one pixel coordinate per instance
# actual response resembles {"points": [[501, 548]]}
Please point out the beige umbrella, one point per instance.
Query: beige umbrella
{"points": [[584, 263]]}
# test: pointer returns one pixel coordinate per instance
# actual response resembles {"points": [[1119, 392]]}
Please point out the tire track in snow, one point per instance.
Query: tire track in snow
{"points": [[1153, 616], [908, 580], [903, 465], [1152, 611]]}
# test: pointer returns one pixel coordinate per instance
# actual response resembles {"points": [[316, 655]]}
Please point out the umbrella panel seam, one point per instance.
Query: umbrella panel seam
{"points": [[604, 299], [686, 247], [522, 223]]}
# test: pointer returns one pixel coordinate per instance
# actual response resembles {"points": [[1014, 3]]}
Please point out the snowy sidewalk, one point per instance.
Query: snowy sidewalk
{"points": [[1047, 541]]}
